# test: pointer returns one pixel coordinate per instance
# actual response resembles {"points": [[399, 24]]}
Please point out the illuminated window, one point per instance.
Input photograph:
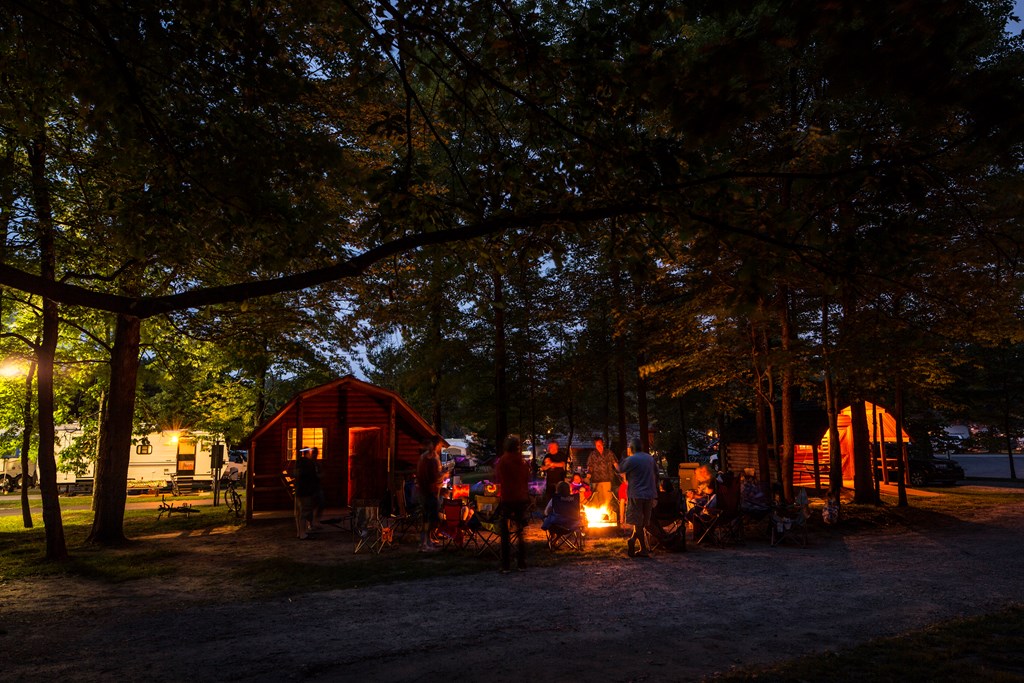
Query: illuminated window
{"points": [[312, 437]]}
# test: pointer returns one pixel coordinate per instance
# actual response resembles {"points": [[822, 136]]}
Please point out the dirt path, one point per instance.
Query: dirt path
{"points": [[673, 617]]}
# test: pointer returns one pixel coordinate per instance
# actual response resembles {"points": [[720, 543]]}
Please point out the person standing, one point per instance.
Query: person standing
{"points": [[641, 474], [601, 466], [514, 499], [553, 469], [307, 483], [428, 477]]}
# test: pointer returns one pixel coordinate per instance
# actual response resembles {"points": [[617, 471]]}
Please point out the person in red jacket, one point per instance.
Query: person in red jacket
{"points": [[514, 499]]}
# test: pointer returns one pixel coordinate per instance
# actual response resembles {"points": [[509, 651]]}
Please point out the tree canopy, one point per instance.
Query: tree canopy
{"points": [[643, 196]]}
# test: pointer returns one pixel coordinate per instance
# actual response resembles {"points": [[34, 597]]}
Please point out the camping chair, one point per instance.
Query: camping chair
{"points": [[564, 526], [486, 524], [373, 532], [755, 507], [667, 529], [788, 521], [453, 531], [722, 524]]}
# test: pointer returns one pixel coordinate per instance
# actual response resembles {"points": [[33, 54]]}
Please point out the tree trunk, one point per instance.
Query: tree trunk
{"points": [[620, 394], [619, 340], [901, 465], [863, 490], [46, 468], [788, 426], [437, 370], [1013, 469], [500, 391], [1008, 430], [835, 454], [763, 462], [641, 409], [684, 441], [111, 483], [26, 442]]}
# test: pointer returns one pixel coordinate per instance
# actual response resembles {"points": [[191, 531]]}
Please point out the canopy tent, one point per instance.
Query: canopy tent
{"points": [[881, 429]]}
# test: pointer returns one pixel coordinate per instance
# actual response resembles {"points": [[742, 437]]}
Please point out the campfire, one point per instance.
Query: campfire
{"points": [[598, 518]]}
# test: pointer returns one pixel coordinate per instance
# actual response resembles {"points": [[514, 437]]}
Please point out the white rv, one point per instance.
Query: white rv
{"points": [[159, 457]]}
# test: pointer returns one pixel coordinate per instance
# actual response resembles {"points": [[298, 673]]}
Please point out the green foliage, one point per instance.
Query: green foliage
{"points": [[653, 185]]}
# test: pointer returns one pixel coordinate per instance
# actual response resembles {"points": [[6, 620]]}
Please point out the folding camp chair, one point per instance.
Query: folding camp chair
{"points": [[667, 529], [453, 531], [486, 524], [373, 531], [722, 524], [755, 507], [564, 525], [788, 522]]}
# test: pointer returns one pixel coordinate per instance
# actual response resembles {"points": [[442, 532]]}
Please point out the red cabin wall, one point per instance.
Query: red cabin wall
{"points": [[336, 411]]}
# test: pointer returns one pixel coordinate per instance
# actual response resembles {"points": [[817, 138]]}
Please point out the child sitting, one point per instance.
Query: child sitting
{"points": [[578, 486], [830, 513]]}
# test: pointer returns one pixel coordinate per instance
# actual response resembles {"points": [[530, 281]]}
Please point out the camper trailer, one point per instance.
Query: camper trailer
{"points": [[160, 458], [10, 471]]}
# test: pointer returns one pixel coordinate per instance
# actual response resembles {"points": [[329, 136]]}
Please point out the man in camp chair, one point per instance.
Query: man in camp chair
{"points": [[720, 521], [563, 520]]}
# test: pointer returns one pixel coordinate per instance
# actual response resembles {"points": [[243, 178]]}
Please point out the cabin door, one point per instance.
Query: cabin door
{"points": [[367, 464]]}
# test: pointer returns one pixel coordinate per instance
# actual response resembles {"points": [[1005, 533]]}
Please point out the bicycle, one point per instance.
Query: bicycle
{"points": [[232, 499]]}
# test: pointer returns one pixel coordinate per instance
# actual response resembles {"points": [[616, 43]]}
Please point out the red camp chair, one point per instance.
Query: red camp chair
{"points": [[453, 531]]}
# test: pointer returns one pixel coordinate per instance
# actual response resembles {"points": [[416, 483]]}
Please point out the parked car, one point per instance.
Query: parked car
{"points": [[925, 470]]}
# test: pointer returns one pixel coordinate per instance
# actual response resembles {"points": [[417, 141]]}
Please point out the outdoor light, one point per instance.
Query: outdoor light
{"points": [[12, 368]]}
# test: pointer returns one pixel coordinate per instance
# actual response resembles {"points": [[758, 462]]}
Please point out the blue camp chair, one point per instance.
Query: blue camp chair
{"points": [[564, 524]]}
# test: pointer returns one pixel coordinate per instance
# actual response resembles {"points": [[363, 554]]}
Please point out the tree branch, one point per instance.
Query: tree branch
{"points": [[146, 307]]}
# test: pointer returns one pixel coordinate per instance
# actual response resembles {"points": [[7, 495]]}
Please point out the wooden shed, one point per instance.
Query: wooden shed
{"points": [[739, 444], [368, 440], [811, 449]]}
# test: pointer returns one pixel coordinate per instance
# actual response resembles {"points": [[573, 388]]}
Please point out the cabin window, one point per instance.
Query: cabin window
{"points": [[312, 437]]}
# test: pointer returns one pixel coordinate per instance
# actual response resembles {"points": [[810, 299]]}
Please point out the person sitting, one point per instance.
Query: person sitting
{"points": [[563, 510], [752, 498], [701, 499], [830, 513], [580, 487]]}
